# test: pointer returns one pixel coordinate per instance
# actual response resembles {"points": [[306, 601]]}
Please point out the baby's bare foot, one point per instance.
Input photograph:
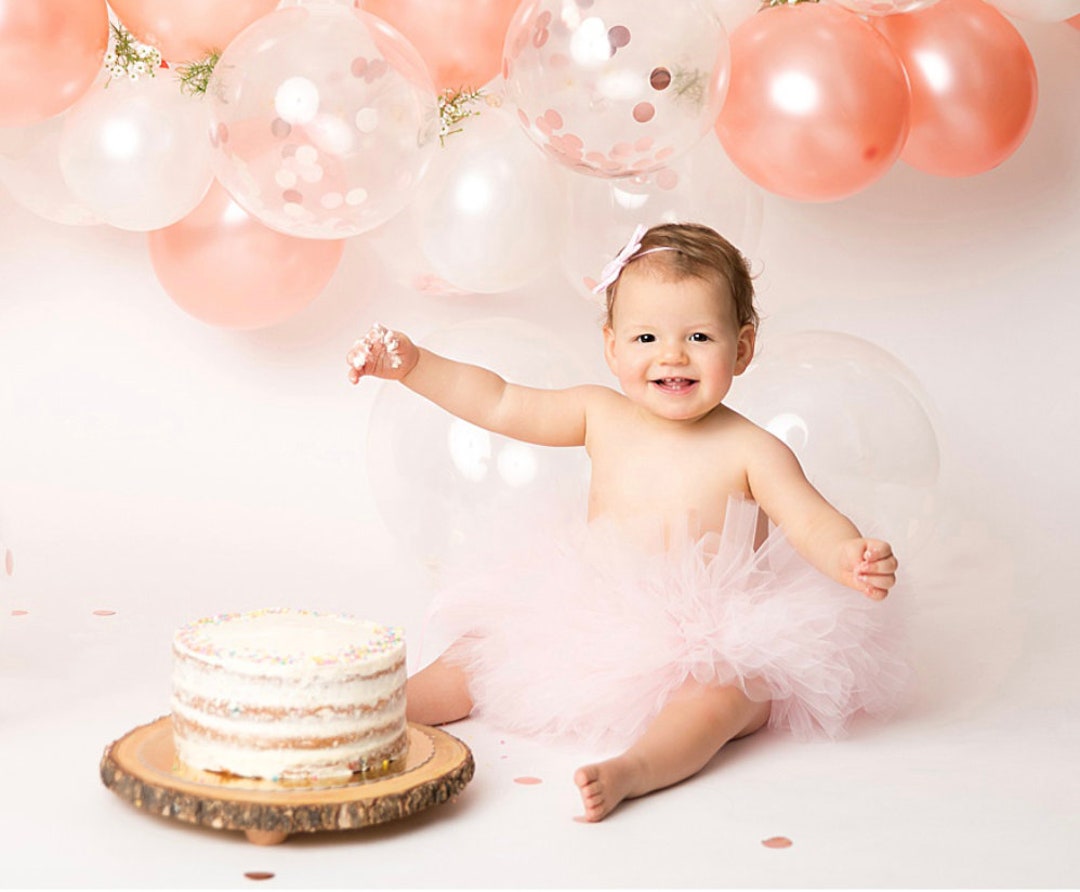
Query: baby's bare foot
{"points": [[604, 785]]}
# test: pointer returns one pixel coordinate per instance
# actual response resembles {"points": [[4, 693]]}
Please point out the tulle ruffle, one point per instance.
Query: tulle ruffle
{"points": [[582, 632]]}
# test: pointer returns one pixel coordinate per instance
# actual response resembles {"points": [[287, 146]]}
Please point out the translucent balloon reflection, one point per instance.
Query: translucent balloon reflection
{"points": [[438, 480], [613, 89], [883, 7], [323, 120], [859, 422]]}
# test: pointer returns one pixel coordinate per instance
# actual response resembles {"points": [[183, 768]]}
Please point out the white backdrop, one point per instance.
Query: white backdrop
{"points": [[160, 469]]}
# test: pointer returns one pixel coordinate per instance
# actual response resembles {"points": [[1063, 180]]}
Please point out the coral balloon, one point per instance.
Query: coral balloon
{"points": [[50, 53], [323, 119], [489, 211], [187, 30], [30, 170], [1039, 10], [818, 103], [860, 423], [973, 86], [136, 154], [224, 267], [614, 89], [460, 40], [883, 7], [1075, 21]]}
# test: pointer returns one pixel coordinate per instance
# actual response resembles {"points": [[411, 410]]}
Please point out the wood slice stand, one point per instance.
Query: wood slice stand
{"points": [[141, 768]]}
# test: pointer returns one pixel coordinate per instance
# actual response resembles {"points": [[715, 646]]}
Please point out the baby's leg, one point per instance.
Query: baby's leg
{"points": [[679, 743], [437, 694]]}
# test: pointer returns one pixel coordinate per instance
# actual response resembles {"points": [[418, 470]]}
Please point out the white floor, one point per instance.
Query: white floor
{"points": [[160, 469]]}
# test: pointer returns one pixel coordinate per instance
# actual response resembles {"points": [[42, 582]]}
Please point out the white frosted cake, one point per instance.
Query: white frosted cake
{"points": [[289, 695]]}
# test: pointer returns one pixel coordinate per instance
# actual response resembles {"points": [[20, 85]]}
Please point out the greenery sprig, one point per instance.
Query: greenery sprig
{"points": [[129, 58], [454, 107], [194, 77]]}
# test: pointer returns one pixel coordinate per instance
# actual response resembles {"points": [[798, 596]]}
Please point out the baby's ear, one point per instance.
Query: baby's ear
{"points": [[745, 348], [609, 349]]}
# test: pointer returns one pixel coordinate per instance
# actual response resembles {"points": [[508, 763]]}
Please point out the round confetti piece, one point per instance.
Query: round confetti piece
{"points": [[9, 562], [619, 36], [660, 79], [104, 613], [20, 612], [527, 781], [259, 875], [777, 842]]}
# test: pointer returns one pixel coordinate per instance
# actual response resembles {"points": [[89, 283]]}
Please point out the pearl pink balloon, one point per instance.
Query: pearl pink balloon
{"points": [[460, 40], [50, 53], [973, 86], [226, 268], [818, 103], [188, 30]]}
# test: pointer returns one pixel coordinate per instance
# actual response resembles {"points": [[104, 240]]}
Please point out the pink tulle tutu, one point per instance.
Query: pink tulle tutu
{"points": [[583, 633]]}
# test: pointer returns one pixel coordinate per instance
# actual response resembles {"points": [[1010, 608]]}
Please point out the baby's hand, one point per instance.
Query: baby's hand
{"points": [[381, 353], [868, 565]]}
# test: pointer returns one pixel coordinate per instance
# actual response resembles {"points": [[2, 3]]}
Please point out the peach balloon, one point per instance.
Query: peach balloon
{"points": [[973, 86], [50, 53], [818, 103], [460, 40], [226, 268], [188, 30], [1075, 22]]}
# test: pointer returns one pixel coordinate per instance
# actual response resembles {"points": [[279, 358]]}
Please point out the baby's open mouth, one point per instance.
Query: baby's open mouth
{"points": [[674, 385]]}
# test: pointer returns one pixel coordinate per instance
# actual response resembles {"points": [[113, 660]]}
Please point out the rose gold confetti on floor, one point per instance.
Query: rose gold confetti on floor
{"points": [[19, 612], [777, 842], [527, 781], [9, 562], [259, 875], [104, 613]]}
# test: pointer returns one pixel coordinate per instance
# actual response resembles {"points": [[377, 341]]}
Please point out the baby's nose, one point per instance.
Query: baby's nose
{"points": [[674, 352]]}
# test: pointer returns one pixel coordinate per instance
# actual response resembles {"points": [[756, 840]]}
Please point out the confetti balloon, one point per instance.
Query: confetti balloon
{"points": [[323, 119], [614, 89], [438, 481], [883, 7], [859, 422]]}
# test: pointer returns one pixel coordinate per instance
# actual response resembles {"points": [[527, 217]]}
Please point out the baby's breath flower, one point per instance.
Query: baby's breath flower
{"points": [[454, 108], [130, 58]]}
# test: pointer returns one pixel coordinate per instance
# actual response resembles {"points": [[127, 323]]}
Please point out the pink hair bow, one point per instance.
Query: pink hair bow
{"points": [[612, 270]]}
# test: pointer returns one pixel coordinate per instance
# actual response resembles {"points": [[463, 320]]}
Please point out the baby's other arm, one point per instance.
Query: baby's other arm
{"points": [[475, 394], [819, 532]]}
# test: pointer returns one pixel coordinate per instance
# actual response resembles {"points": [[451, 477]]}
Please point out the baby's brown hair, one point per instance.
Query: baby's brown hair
{"points": [[694, 250]]}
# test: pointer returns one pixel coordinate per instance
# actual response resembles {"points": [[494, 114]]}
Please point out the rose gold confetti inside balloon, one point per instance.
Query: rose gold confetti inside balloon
{"points": [[323, 120], [614, 89]]}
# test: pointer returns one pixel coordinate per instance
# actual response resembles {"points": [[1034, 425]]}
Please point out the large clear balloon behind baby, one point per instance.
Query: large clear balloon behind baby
{"points": [[441, 483], [613, 89], [323, 120], [860, 424]]}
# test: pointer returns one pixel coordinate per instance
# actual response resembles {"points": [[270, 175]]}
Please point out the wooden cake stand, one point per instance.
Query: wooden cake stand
{"points": [[141, 767]]}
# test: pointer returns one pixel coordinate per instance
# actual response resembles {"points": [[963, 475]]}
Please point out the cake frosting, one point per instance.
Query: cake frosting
{"points": [[290, 695]]}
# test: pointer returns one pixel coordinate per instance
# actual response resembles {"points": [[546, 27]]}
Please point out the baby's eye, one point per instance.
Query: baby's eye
{"points": [[699, 336], [645, 338]]}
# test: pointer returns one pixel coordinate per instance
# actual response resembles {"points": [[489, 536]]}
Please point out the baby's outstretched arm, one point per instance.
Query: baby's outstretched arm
{"points": [[819, 532], [475, 394]]}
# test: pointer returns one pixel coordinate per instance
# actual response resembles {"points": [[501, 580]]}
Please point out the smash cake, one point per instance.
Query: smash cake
{"points": [[289, 695]]}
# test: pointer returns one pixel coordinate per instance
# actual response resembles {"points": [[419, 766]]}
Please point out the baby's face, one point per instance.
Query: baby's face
{"points": [[675, 345]]}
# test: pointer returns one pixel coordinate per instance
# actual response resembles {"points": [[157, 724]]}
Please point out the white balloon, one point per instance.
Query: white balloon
{"points": [[859, 422], [490, 209], [701, 187], [1039, 10], [30, 170], [440, 482], [136, 152]]}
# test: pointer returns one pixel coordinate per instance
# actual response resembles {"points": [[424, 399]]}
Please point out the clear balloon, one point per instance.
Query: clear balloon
{"points": [[615, 89], [397, 245], [1039, 10], [818, 104], [883, 7], [50, 53], [859, 422], [323, 120], [439, 481], [30, 170], [490, 209], [974, 88], [136, 153], [189, 30], [702, 186], [460, 40], [226, 268]]}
